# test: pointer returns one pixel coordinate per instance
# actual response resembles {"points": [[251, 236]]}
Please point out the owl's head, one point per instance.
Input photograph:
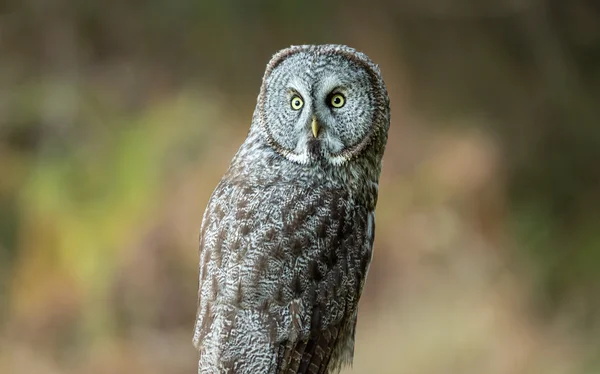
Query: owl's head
{"points": [[323, 103]]}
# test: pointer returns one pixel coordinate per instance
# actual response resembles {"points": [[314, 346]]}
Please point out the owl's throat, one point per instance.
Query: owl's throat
{"points": [[315, 148]]}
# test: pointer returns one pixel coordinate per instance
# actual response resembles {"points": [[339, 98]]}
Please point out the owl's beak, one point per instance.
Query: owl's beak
{"points": [[315, 126]]}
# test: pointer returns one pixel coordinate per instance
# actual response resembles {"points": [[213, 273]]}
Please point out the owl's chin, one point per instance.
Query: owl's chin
{"points": [[314, 151], [314, 148]]}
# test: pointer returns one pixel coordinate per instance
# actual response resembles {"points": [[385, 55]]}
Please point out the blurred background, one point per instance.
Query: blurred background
{"points": [[118, 118]]}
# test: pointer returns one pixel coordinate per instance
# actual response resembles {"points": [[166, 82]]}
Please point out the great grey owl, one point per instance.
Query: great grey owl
{"points": [[287, 236]]}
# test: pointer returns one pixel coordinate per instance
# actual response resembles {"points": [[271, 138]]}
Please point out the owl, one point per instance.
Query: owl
{"points": [[287, 237]]}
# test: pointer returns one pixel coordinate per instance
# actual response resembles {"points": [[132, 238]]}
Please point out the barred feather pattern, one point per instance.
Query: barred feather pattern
{"points": [[285, 246]]}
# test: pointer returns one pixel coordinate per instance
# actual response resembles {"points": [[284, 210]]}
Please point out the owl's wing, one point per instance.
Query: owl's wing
{"points": [[341, 253], [310, 355], [281, 271]]}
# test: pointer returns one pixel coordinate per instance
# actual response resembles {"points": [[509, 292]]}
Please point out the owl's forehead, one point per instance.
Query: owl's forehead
{"points": [[309, 68]]}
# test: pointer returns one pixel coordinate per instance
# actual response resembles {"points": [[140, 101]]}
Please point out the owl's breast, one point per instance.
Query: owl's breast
{"points": [[282, 247]]}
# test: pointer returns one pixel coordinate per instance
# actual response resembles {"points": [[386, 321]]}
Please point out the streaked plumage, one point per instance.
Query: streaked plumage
{"points": [[287, 235]]}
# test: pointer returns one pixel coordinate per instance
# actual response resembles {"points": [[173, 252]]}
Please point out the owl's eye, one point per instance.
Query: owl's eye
{"points": [[296, 102], [338, 100]]}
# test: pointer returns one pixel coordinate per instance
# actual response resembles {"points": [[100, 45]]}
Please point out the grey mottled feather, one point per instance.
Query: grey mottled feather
{"points": [[285, 243]]}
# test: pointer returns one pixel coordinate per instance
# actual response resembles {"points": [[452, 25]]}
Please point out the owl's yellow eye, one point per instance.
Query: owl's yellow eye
{"points": [[338, 100], [296, 102]]}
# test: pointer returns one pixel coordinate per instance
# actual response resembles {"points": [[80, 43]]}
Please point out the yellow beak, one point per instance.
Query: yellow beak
{"points": [[315, 127]]}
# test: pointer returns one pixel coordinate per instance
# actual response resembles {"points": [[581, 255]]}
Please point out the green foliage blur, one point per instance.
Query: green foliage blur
{"points": [[118, 118]]}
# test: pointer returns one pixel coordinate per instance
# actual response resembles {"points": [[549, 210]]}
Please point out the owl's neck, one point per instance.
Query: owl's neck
{"points": [[257, 163]]}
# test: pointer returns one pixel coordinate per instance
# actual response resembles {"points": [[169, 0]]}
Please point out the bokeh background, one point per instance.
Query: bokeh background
{"points": [[118, 118]]}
